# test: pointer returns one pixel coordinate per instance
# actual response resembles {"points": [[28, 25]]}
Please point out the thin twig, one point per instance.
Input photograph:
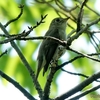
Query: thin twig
{"points": [[63, 7], [15, 19], [92, 10], [81, 55], [5, 52], [67, 62], [43, 1], [80, 16], [79, 74], [84, 55], [82, 30], [72, 73]]}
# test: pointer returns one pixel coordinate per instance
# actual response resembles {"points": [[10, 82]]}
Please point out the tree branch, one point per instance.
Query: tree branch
{"points": [[19, 87], [79, 87], [85, 93], [23, 59], [82, 30], [48, 83]]}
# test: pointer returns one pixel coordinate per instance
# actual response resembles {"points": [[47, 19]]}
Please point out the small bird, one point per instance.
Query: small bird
{"points": [[50, 50]]}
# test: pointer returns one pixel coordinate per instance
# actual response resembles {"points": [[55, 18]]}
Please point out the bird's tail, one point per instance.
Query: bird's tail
{"points": [[38, 68]]}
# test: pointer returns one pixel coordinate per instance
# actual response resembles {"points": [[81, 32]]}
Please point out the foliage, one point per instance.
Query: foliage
{"points": [[11, 63]]}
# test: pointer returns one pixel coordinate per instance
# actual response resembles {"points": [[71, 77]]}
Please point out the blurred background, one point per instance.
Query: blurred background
{"points": [[11, 63]]}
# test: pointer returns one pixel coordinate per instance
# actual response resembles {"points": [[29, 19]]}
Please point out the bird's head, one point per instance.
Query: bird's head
{"points": [[59, 23]]}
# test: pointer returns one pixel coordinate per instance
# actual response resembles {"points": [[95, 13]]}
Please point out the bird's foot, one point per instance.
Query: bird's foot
{"points": [[54, 63]]}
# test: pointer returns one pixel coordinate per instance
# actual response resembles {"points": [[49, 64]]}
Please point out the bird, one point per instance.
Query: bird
{"points": [[50, 50]]}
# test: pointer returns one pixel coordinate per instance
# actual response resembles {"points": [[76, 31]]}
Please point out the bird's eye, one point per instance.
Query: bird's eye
{"points": [[57, 20]]}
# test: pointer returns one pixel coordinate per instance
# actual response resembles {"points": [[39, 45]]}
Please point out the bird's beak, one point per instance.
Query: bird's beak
{"points": [[65, 19]]}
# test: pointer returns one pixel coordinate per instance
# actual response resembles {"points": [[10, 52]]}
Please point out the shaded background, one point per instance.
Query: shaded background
{"points": [[11, 63]]}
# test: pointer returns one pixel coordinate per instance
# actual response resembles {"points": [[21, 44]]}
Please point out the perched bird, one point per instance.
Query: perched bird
{"points": [[50, 50]]}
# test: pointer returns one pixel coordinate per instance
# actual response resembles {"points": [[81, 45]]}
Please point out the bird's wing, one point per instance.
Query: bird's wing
{"points": [[50, 48], [46, 51], [49, 52]]}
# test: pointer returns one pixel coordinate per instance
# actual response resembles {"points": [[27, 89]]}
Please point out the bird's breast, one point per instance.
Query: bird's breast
{"points": [[62, 35]]}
